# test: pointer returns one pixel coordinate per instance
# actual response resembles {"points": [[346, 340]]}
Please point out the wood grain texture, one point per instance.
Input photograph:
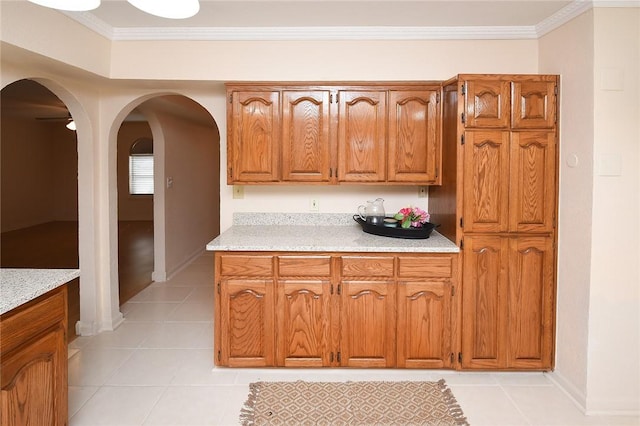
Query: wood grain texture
{"points": [[34, 362], [486, 181], [531, 301], [424, 331], [532, 181], [254, 138], [303, 321], [414, 143], [304, 266], [305, 135], [246, 265], [326, 319], [533, 105], [485, 287], [367, 266], [487, 103], [368, 337], [248, 326], [362, 136]]}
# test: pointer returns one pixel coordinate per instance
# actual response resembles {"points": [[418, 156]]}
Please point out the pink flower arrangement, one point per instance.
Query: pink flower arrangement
{"points": [[412, 217]]}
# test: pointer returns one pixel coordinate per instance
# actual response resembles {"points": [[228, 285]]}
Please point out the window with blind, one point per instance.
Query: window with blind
{"points": [[141, 167]]}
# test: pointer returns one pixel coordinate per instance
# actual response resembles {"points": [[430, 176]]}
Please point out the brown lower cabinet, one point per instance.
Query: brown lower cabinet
{"points": [[334, 309], [33, 350], [508, 300]]}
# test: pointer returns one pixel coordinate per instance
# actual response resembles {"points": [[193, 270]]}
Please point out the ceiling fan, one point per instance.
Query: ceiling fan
{"points": [[71, 125]]}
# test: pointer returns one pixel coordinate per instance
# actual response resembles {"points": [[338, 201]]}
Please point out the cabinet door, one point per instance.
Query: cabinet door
{"points": [[254, 137], [531, 302], [414, 150], [247, 323], [34, 382], [533, 105], [368, 324], [303, 319], [424, 324], [532, 197], [305, 136], [486, 181], [484, 307], [487, 103], [362, 133]]}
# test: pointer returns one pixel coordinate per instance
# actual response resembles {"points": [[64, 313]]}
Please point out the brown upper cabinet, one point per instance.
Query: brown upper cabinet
{"points": [[254, 136], [384, 133], [503, 104]]}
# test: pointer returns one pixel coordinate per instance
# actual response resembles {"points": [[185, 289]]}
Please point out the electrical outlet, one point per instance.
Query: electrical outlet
{"points": [[314, 205], [422, 192], [238, 191]]}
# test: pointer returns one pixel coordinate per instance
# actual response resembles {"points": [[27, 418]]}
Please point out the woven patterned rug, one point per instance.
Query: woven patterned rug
{"points": [[351, 403]]}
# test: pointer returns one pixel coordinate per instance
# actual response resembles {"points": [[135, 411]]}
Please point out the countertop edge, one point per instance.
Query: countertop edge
{"points": [[22, 285]]}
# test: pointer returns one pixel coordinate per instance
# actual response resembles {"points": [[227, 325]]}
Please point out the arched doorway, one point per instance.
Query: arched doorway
{"points": [[185, 209], [39, 175]]}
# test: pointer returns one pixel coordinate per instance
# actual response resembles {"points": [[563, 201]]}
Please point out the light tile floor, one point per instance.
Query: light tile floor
{"points": [[157, 369]]}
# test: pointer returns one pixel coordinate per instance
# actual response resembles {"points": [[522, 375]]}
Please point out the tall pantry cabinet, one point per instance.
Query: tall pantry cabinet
{"points": [[498, 202]]}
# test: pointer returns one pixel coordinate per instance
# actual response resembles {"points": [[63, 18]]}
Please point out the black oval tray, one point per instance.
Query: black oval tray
{"points": [[396, 232]]}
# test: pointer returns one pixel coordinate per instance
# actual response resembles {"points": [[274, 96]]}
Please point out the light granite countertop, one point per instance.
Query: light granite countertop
{"points": [[316, 233], [21, 285]]}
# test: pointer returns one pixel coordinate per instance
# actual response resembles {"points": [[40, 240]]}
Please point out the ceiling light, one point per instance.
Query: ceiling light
{"points": [[71, 125], [173, 9], [72, 5]]}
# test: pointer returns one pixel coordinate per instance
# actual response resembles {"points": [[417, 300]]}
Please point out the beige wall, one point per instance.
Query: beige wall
{"points": [[39, 169], [319, 60], [131, 207], [568, 51], [614, 320], [192, 204], [598, 327]]}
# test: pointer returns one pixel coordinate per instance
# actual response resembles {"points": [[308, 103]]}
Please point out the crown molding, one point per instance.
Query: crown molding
{"points": [[572, 10], [323, 33], [561, 17]]}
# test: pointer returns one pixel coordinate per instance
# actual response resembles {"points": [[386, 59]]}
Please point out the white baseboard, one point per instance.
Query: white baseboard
{"points": [[86, 328], [576, 395], [159, 276], [584, 404], [185, 263]]}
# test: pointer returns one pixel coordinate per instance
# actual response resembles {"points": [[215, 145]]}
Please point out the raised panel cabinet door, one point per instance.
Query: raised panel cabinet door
{"points": [[368, 324], [247, 323], [303, 323], [414, 150], [254, 137], [532, 200], [484, 307], [487, 103], [305, 136], [424, 324], [34, 382], [486, 181], [362, 136], [533, 104], [531, 303]]}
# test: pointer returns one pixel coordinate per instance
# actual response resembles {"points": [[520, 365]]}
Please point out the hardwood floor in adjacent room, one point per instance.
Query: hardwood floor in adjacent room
{"points": [[55, 245]]}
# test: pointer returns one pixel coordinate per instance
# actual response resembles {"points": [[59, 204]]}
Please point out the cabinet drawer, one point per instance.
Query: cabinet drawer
{"points": [[33, 318], [246, 265], [300, 266], [439, 267], [367, 266]]}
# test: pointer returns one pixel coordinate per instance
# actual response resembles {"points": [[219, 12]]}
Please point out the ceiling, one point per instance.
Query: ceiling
{"points": [[304, 19], [304, 13]]}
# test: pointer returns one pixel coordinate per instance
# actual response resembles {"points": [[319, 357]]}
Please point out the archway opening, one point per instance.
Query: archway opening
{"points": [[173, 222], [39, 178]]}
